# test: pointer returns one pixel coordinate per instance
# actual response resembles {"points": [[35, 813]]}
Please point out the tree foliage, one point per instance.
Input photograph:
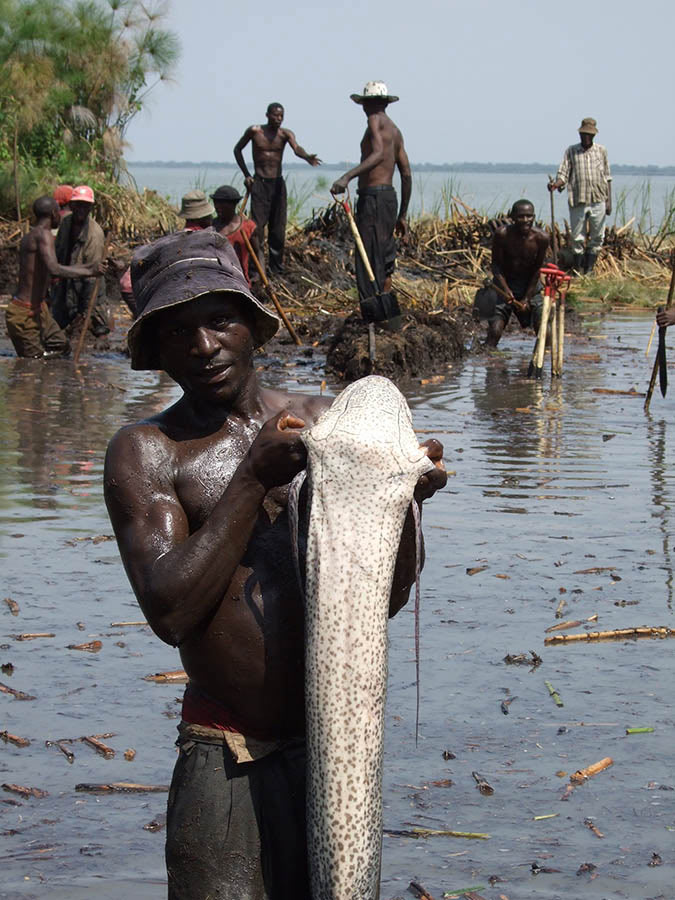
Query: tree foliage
{"points": [[74, 73]]}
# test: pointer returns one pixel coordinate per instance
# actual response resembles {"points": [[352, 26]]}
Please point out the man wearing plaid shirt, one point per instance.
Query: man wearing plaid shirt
{"points": [[585, 171]]}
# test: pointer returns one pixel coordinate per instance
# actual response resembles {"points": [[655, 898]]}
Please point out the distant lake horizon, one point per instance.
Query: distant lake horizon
{"points": [[648, 198]]}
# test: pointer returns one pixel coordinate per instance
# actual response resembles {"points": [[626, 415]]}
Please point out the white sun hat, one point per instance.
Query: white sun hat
{"points": [[374, 90]]}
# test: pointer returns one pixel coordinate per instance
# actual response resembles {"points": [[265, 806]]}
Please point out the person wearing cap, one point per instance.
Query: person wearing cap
{"points": [[197, 496], [62, 195], [234, 226], [30, 324], [197, 210], [80, 241], [585, 170], [267, 186], [382, 150]]}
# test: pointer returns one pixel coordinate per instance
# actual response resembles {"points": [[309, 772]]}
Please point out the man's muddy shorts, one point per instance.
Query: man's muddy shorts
{"points": [[236, 831], [500, 309]]}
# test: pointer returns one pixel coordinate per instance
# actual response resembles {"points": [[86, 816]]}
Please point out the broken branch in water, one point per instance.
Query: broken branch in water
{"points": [[417, 832], [22, 742], [647, 729], [12, 605], [618, 634], [463, 892], [89, 647], [99, 746], [25, 791], [571, 623], [483, 786], [582, 775], [30, 636], [556, 696], [417, 890], [594, 828], [69, 755], [522, 659], [18, 695], [122, 787], [179, 676]]}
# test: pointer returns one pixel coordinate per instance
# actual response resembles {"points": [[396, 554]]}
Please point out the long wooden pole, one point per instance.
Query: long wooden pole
{"points": [[554, 236], [669, 303], [268, 288], [90, 309]]}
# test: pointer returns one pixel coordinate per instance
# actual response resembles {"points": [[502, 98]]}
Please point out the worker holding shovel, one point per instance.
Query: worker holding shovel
{"points": [[377, 212]]}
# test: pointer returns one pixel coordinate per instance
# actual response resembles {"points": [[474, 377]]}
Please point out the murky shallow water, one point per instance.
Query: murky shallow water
{"points": [[578, 480]]}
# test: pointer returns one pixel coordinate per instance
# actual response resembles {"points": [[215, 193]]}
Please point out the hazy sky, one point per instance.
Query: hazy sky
{"points": [[482, 80]]}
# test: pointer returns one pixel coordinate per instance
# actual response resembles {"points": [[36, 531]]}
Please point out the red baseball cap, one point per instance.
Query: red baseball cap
{"points": [[82, 192], [63, 194]]}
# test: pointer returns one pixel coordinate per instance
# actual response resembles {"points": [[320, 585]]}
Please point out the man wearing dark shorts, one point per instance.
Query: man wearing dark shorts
{"points": [[197, 496], [518, 252], [377, 218], [267, 187]]}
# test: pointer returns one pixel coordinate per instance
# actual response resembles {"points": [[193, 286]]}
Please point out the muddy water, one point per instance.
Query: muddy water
{"points": [[549, 482]]}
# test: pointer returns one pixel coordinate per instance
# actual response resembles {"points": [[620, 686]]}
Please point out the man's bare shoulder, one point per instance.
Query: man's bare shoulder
{"points": [[147, 443], [541, 237]]}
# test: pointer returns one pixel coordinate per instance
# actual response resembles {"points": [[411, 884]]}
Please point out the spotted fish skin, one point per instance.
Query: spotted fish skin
{"points": [[363, 463]]}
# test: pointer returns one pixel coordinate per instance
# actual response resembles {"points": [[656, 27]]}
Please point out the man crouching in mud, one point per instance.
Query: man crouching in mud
{"points": [[197, 497], [518, 252]]}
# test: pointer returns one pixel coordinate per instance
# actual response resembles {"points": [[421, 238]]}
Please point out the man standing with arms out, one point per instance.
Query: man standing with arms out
{"points": [[376, 213], [267, 186], [585, 171], [80, 241], [518, 252], [30, 325], [197, 496]]}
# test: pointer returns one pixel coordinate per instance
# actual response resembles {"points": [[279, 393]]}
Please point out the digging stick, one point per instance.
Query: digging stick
{"points": [[537, 364], [660, 356], [90, 309], [554, 338], [241, 209], [268, 288], [651, 338], [561, 329], [554, 236]]}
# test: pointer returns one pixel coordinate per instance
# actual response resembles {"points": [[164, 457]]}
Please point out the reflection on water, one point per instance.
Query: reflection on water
{"points": [[552, 481]]}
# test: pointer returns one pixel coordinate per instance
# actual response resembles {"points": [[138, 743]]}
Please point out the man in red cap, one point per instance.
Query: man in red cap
{"points": [[30, 325], [80, 241], [63, 194]]}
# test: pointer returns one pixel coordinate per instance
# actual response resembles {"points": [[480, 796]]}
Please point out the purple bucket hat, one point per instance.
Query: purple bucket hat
{"points": [[181, 267]]}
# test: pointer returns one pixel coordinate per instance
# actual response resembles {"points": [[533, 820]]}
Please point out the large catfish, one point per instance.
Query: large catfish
{"points": [[363, 463]]}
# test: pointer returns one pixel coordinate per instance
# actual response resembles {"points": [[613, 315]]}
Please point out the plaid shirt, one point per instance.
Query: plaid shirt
{"points": [[586, 174]]}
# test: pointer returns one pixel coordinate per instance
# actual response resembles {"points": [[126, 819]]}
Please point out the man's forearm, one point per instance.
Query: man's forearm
{"points": [[365, 166], [239, 157], [186, 584], [406, 192]]}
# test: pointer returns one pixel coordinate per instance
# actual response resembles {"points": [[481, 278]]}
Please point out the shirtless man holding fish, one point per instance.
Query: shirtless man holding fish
{"points": [[197, 497]]}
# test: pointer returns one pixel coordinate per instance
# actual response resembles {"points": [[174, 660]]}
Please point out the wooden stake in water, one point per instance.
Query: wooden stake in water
{"points": [[554, 338], [561, 329]]}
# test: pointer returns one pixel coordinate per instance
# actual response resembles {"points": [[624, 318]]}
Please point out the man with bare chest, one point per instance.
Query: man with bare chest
{"points": [[30, 324], [518, 252], [197, 497], [377, 217], [267, 186]]}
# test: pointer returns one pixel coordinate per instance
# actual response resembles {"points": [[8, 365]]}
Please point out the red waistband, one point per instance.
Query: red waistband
{"points": [[200, 709], [19, 302]]}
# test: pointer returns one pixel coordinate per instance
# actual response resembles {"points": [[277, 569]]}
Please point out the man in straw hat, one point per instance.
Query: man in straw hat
{"points": [[585, 171], [197, 210], [377, 217], [267, 186], [80, 242], [197, 496]]}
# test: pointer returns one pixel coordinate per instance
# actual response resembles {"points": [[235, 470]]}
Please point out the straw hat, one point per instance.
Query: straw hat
{"points": [[588, 126], [182, 267], [374, 90], [194, 205]]}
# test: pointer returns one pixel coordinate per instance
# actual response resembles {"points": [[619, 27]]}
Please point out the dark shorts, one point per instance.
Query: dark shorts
{"points": [[496, 306], [236, 831], [376, 214]]}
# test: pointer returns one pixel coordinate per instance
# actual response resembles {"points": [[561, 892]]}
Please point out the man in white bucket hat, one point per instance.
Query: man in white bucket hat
{"points": [[382, 150]]}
